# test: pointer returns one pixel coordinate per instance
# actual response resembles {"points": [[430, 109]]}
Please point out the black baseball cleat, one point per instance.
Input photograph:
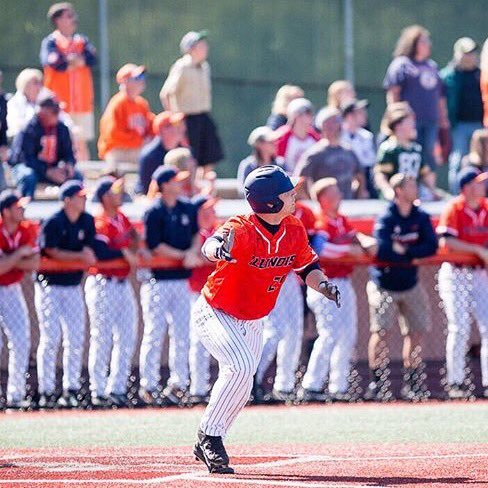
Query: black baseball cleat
{"points": [[119, 400], [47, 401], [210, 450], [305, 395]]}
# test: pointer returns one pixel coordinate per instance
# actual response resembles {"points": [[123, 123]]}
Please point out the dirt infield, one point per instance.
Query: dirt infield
{"points": [[273, 466]]}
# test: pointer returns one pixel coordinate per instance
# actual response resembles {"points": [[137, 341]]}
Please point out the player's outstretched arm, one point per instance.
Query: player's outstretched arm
{"points": [[317, 280], [219, 247]]}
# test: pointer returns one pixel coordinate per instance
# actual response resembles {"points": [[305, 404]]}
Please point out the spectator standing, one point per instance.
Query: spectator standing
{"points": [[283, 97], [478, 155], [294, 138], [332, 352], [463, 227], [127, 120], [328, 158], [171, 231], [68, 235], [400, 154], [413, 77], [188, 89], [262, 141], [169, 133], [18, 253], [339, 93], [461, 78], [43, 151], [68, 58], [111, 300], [403, 233], [359, 139]]}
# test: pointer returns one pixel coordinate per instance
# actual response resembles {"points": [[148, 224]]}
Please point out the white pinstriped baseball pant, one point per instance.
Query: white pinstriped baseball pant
{"points": [[464, 292], [61, 311], [165, 306], [333, 349], [236, 345], [14, 322], [282, 336], [112, 310]]}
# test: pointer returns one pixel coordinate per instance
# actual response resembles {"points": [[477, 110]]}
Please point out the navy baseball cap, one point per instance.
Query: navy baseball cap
{"points": [[106, 184], [467, 175], [9, 198], [71, 188], [163, 174]]}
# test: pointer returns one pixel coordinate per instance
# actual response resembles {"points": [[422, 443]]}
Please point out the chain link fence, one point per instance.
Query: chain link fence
{"points": [[461, 295]]}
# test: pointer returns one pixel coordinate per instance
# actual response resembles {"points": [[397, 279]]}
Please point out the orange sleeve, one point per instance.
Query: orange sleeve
{"points": [[305, 254], [350, 230], [449, 222], [306, 215], [32, 234]]}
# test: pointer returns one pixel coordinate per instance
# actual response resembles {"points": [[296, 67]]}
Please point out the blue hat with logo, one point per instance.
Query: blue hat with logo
{"points": [[9, 198], [71, 188], [163, 174], [469, 174]]}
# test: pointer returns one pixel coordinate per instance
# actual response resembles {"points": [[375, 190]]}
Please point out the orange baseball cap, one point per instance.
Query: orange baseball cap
{"points": [[129, 70], [165, 119]]}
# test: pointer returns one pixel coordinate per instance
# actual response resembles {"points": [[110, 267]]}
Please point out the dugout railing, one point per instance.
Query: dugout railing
{"points": [[432, 353]]}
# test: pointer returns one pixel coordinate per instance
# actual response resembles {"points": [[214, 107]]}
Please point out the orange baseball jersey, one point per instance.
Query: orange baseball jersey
{"points": [[117, 232], [200, 274], [337, 231], [124, 124], [248, 288], [459, 220], [73, 86], [26, 235]]}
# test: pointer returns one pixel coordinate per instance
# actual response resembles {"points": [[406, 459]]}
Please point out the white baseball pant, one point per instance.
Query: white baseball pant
{"points": [[60, 311], [199, 357], [333, 349], [236, 345], [165, 306], [282, 336], [464, 292], [14, 321], [111, 305]]}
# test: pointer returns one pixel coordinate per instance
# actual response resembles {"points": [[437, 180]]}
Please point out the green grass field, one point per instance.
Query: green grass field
{"points": [[366, 423]]}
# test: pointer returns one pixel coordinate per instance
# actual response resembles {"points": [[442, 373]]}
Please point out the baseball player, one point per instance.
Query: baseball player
{"points": [[403, 232], [199, 357], [18, 253], [283, 331], [172, 232], [254, 255], [463, 227], [111, 301], [68, 235], [334, 347]]}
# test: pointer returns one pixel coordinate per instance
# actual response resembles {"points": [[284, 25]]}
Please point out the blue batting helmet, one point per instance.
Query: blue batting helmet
{"points": [[263, 186]]}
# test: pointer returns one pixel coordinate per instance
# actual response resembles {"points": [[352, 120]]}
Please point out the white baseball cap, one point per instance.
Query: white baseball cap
{"points": [[298, 106], [324, 114], [261, 134], [190, 39]]}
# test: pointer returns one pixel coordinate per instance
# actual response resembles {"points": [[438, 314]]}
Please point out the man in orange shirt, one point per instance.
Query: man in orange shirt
{"points": [[254, 254], [127, 120], [463, 227], [68, 58], [18, 253]]}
